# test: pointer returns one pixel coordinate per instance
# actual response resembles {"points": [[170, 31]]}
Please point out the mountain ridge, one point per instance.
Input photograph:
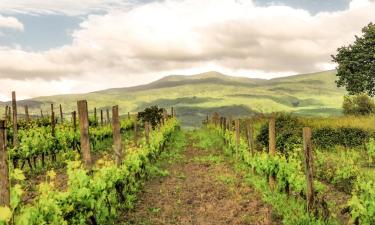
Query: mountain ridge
{"points": [[313, 94]]}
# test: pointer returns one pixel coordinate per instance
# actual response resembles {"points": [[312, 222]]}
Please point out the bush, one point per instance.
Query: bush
{"points": [[288, 133], [360, 104], [152, 115]]}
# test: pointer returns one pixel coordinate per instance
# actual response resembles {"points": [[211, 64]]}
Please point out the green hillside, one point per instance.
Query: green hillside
{"points": [[194, 96]]}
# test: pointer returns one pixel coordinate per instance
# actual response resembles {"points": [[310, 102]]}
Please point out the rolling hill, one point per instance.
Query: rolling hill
{"points": [[195, 96]]}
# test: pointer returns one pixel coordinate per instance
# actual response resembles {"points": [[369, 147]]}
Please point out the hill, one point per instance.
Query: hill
{"points": [[195, 96]]}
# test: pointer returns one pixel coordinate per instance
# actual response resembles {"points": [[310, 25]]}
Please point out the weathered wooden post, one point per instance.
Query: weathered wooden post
{"points": [[15, 129], [135, 132], [74, 121], [83, 117], [272, 146], [108, 119], [101, 118], [53, 121], [172, 112], [74, 118], [6, 113], [61, 115], [250, 136], [237, 127], [41, 113], [4, 170], [147, 132], [128, 115], [52, 109], [95, 117], [9, 114], [27, 117], [309, 167], [116, 135]]}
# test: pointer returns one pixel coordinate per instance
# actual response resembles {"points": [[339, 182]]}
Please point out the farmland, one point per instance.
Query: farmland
{"points": [[123, 170]]}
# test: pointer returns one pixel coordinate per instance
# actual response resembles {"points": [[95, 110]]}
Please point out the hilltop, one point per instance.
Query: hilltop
{"points": [[194, 96]]}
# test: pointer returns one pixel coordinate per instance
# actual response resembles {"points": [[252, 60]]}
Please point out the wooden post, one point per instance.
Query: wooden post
{"points": [[272, 146], [41, 113], [61, 114], [101, 117], [250, 136], [129, 115], [74, 117], [135, 133], [83, 117], [53, 124], [52, 109], [147, 132], [4, 170], [172, 115], [27, 117], [237, 127], [116, 135], [108, 119], [9, 114], [309, 166], [95, 118]]}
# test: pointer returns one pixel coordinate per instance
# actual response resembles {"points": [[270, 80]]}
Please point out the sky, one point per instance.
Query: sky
{"points": [[69, 46]]}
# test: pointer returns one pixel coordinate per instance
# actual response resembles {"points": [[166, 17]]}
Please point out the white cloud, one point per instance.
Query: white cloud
{"points": [[128, 47], [11, 23], [67, 7]]}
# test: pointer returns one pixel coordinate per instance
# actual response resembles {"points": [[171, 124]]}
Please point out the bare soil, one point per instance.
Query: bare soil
{"points": [[199, 191]]}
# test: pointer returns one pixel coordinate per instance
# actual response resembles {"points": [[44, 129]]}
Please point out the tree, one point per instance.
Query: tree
{"points": [[360, 104], [356, 64], [152, 115]]}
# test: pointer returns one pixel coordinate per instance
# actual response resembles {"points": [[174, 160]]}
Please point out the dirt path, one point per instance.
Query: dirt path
{"points": [[201, 189]]}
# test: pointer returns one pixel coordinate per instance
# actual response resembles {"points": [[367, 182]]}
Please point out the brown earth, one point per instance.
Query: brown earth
{"points": [[201, 189]]}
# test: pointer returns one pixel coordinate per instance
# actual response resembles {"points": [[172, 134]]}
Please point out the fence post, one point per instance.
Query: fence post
{"points": [[135, 132], [4, 171], [74, 117], [101, 117], [83, 117], [6, 113], [309, 166], [172, 113], [129, 115], [61, 115], [272, 146], [250, 136], [41, 113], [116, 135], [95, 117], [27, 114], [15, 128], [237, 127], [108, 119]]}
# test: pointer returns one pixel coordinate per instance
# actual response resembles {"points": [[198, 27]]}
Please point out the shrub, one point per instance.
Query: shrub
{"points": [[288, 133], [360, 104]]}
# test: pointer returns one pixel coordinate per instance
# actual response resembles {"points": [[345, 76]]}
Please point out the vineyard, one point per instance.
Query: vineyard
{"points": [[265, 169]]}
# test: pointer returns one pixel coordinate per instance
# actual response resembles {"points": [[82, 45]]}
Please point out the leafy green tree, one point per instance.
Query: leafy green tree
{"points": [[356, 63], [151, 114], [360, 104]]}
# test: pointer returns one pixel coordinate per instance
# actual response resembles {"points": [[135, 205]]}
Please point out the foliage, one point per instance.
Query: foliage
{"points": [[288, 133], [152, 115], [360, 105], [356, 63], [95, 198], [362, 203]]}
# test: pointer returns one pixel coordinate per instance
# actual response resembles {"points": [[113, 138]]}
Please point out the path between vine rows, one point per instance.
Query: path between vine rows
{"points": [[201, 188]]}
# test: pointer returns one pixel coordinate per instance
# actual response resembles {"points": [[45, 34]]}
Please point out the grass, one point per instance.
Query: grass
{"points": [[195, 96]]}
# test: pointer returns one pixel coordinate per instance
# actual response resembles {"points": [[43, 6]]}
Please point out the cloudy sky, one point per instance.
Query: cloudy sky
{"points": [[70, 46]]}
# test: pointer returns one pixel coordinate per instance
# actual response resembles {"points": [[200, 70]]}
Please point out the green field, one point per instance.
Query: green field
{"points": [[196, 96]]}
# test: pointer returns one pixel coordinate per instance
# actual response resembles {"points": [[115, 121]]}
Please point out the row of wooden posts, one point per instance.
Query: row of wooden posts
{"points": [[227, 124], [84, 139]]}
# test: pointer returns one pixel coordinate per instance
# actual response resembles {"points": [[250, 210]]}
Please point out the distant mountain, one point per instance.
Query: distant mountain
{"points": [[195, 96]]}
